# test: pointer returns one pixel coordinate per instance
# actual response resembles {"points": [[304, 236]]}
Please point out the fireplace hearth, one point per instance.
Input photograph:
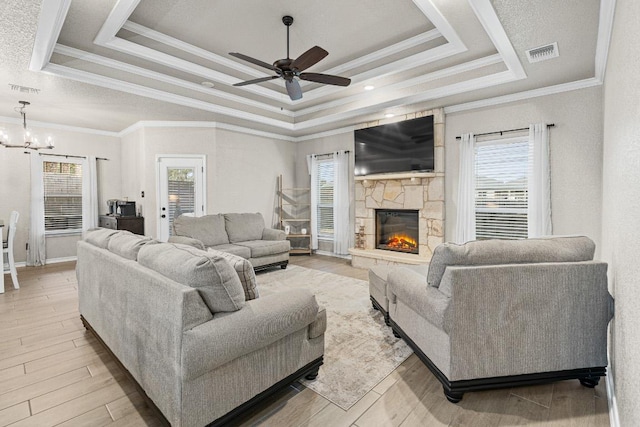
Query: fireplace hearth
{"points": [[397, 230]]}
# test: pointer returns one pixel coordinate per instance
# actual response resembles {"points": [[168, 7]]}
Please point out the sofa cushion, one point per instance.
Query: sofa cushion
{"points": [[241, 251], [260, 248], [493, 252], [209, 229], [99, 237], [244, 226], [184, 240], [245, 272], [215, 279], [127, 244]]}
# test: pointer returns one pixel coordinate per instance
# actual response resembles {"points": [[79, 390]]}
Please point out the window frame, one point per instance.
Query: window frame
{"points": [[68, 231], [325, 236], [503, 210]]}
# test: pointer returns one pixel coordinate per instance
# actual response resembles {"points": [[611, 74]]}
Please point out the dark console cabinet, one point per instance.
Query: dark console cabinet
{"points": [[134, 224]]}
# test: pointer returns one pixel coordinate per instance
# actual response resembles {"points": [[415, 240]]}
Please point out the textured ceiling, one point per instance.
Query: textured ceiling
{"points": [[149, 64]]}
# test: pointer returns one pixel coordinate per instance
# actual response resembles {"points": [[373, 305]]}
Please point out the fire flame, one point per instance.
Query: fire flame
{"points": [[402, 241]]}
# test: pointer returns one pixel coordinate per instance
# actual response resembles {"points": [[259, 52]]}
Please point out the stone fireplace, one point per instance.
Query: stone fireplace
{"points": [[418, 192], [397, 230]]}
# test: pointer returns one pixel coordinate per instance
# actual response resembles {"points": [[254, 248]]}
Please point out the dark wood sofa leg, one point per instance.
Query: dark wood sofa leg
{"points": [[590, 382], [452, 396], [313, 374]]}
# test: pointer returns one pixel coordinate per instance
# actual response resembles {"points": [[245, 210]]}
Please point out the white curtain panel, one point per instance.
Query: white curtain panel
{"points": [[341, 223], [466, 215], [539, 210], [89, 193], [36, 254], [312, 163]]}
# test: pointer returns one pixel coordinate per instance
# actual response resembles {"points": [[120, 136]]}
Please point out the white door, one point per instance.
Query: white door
{"points": [[181, 190]]}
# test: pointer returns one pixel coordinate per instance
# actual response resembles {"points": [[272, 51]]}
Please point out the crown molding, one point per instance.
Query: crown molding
{"points": [[110, 83], [605, 29], [494, 29], [115, 21], [145, 124], [52, 16], [49, 125], [143, 72], [520, 96]]}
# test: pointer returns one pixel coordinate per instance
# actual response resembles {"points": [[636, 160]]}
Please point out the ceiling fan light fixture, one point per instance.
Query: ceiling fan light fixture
{"points": [[290, 69]]}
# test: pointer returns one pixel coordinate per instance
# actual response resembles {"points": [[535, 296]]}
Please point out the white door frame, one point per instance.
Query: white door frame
{"points": [[160, 197]]}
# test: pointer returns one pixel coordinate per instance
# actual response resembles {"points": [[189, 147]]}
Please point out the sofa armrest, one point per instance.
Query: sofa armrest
{"points": [[184, 240], [319, 326], [521, 318], [259, 323], [273, 234], [411, 288]]}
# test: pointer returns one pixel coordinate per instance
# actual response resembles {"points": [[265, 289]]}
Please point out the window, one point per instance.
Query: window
{"points": [[324, 191], [501, 193], [62, 196]]}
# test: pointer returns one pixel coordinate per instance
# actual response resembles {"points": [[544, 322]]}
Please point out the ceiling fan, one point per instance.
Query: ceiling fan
{"points": [[289, 68]]}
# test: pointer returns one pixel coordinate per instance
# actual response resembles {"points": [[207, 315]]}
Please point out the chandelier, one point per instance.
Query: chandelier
{"points": [[29, 140]]}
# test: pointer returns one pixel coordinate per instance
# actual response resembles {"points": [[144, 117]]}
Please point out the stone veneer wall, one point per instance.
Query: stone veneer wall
{"points": [[424, 192]]}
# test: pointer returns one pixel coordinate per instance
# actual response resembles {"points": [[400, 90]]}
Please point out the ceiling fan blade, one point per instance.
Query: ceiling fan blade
{"points": [[309, 58], [260, 80], [253, 60], [326, 79], [293, 89]]}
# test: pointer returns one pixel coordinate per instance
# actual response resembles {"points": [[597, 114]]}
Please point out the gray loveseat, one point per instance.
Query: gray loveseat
{"points": [[500, 313], [194, 336], [242, 234]]}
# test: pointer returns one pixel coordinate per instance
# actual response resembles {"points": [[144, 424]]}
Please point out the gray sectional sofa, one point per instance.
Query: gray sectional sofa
{"points": [[499, 313], [189, 327], [242, 234]]}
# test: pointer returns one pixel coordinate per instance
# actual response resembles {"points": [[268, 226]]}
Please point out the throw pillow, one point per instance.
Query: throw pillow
{"points": [[213, 277], [245, 272], [184, 240], [99, 236], [127, 244]]}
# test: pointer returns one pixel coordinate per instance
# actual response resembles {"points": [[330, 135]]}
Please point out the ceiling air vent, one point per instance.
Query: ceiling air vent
{"points": [[543, 53]]}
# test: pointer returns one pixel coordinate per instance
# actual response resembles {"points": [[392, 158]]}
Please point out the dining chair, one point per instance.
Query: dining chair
{"points": [[7, 248]]}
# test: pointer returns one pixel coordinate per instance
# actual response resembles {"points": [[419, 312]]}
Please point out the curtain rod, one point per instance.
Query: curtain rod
{"points": [[504, 131], [329, 154], [66, 155]]}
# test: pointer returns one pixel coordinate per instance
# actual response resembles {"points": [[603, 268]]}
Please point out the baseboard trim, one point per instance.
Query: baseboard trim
{"points": [[614, 418]]}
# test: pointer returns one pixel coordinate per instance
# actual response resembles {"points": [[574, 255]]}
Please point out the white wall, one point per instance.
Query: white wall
{"points": [[242, 169], [15, 182], [621, 204], [575, 151]]}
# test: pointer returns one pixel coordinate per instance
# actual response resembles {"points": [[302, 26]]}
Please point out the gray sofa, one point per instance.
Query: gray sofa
{"points": [[499, 313], [196, 338], [242, 234]]}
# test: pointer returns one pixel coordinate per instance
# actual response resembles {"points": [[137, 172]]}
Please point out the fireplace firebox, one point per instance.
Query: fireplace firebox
{"points": [[397, 230]]}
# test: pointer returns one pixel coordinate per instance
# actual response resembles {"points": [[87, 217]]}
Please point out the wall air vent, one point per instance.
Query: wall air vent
{"points": [[24, 89], [542, 53]]}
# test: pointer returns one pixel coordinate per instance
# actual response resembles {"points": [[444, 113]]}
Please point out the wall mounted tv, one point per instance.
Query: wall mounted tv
{"points": [[405, 146]]}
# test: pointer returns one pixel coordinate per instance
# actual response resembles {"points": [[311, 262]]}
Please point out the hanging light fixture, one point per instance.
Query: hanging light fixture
{"points": [[29, 140]]}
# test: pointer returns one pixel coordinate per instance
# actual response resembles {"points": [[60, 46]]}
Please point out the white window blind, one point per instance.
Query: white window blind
{"points": [[62, 196], [501, 195], [324, 191]]}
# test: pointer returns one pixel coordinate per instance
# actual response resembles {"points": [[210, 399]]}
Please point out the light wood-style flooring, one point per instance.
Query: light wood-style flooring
{"points": [[53, 372]]}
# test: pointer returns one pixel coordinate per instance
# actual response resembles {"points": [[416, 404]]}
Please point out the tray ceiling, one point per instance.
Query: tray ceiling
{"points": [[135, 60]]}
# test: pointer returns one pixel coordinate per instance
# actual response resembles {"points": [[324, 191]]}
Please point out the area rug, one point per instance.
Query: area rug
{"points": [[360, 350]]}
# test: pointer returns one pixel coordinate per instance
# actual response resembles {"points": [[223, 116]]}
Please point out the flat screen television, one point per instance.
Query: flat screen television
{"points": [[395, 147]]}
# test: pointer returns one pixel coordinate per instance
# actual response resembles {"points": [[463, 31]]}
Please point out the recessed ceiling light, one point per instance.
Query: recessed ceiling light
{"points": [[389, 115], [369, 87], [207, 84]]}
